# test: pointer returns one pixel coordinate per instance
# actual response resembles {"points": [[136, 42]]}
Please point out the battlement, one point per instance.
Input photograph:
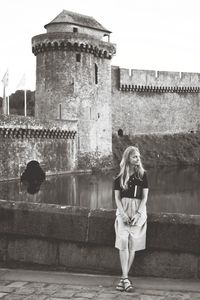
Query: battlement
{"points": [[158, 81], [70, 42]]}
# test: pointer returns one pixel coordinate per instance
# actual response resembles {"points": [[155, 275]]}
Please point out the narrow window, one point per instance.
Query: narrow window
{"points": [[78, 57], [75, 29], [90, 113], [60, 111], [96, 74], [120, 132]]}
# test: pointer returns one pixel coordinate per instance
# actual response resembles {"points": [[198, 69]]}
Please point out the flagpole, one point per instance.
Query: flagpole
{"points": [[5, 84], [25, 112], [4, 101], [8, 105]]}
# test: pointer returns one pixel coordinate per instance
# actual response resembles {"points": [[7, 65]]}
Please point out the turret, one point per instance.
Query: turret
{"points": [[73, 77]]}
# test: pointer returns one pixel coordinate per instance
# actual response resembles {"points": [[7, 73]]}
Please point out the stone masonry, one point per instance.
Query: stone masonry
{"points": [[74, 78]]}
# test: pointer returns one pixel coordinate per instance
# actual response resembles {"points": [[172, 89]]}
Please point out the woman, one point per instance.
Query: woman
{"points": [[131, 193]]}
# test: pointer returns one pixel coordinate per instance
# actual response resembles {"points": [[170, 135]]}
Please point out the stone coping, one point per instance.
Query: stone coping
{"points": [[28, 123], [167, 232]]}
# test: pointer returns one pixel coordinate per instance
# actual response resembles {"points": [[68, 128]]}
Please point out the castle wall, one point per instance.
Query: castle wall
{"points": [[22, 139], [155, 102]]}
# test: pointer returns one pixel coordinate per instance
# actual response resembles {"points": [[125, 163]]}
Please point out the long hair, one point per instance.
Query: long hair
{"points": [[124, 173]]}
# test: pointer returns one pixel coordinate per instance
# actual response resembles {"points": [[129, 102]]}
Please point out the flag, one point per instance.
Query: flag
{"points": [[5, 79], [22, 83]]}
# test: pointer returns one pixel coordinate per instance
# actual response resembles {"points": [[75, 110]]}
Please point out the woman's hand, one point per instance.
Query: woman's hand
{"points": [[125, 218], [135, 219]]}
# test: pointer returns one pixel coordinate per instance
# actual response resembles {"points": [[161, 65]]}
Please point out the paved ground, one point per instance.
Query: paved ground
{"points": [[40, 285]]}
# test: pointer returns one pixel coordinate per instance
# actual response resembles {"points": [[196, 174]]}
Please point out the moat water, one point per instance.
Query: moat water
{"points": [[173, 190]]}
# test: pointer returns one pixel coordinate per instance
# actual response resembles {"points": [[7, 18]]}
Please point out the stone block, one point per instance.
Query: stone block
{"points": [[198, 271], [174, 232], [3, 249], [46, 221], [101, 227], [165, 264], [89, 257], [32, 251]]}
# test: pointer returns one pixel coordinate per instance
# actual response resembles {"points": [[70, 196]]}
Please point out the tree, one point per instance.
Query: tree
{"points": [[16, 101]]}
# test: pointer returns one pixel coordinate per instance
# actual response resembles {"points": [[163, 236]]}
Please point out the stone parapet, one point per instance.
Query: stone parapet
{"points": [[81, 239], [158, 78], [36, 133], [66, 41], [21, 122], [159, 89]]}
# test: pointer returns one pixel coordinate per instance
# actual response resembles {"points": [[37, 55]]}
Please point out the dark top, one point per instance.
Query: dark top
{"points": [[135, 187]]}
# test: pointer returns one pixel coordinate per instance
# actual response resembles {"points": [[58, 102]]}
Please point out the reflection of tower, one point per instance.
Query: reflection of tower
{"points": [[94, 193], [73, 77]]}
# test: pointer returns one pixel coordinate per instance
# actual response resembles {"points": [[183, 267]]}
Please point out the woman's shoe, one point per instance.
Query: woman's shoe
{"points": [[128, 287], [120, 285]]}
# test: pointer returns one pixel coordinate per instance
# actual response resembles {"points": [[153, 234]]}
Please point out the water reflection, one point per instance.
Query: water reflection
{"points": [[171, 190], [175, 190]]}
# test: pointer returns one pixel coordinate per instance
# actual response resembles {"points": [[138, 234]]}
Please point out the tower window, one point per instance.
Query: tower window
{"points": [[96, 73], [78, 57], [60, 111], [120, 132], [75, 29]]}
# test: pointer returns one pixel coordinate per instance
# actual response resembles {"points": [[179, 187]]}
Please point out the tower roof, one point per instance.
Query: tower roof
{"points": [[70, 17]]}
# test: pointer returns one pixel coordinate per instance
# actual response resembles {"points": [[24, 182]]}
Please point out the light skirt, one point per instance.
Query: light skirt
{"points": [[132, 237]]}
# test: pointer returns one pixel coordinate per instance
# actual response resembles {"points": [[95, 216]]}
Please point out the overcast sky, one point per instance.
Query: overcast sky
{"points": [[149, 34]]}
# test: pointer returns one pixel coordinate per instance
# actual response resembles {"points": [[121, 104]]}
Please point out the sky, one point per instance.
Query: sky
{"points": [[149, 34]]}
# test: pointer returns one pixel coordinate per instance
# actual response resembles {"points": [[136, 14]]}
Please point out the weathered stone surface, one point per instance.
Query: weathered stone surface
{"points": [[47, 221], [101, 227], [174, 232], [77, 238], [154, 112], [32, 251], [3, 246], [56, 155], [89, 257], [165, 264]]}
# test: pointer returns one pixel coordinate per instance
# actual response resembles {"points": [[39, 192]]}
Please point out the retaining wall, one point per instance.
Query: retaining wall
{"points": [[79, 239]]}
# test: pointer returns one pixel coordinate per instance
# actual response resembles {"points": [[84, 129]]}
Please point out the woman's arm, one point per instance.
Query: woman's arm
{"points": [[141, 207], [118, 202], [144, 200]]}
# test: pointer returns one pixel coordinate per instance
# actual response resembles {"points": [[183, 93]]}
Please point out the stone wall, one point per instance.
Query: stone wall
{"points": [[52, 143], [79, 239], [73, 80], [146, 102]]}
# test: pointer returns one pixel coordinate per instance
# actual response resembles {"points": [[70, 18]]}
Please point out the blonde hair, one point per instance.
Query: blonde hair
{"points": [[124, 173]]}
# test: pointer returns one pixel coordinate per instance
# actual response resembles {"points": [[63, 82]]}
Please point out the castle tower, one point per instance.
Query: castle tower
{"points": [[73, 77]]}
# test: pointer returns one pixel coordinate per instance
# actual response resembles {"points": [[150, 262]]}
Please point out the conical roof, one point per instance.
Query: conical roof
{"points": [[70, 17]]}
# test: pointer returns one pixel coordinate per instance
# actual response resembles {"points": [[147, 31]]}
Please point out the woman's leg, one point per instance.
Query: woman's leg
{"points": [[131, 259], [124, 259]]}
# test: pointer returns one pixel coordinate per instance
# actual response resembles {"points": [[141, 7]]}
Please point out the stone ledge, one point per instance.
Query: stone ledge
{"points": [[43, 221], [75, 238], [171, 232]]}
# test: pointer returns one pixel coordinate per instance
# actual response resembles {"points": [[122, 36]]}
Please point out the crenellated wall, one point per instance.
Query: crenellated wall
{"points": [[22, 139], [146, 102], [159, 78]]}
